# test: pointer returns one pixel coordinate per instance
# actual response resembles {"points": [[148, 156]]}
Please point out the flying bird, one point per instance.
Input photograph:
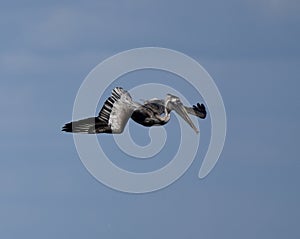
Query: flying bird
{"points": [[120, 107]]}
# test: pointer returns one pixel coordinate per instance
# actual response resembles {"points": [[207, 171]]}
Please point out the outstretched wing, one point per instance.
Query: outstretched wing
{"points": [[92, 125], [117, 110], [197, 110], [112, 118]]}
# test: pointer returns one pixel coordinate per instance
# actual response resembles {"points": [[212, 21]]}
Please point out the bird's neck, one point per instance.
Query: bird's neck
{"points": [[165, 118]]}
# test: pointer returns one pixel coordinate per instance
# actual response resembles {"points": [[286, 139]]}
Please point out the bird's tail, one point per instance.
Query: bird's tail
{"points": [[91, 125]]}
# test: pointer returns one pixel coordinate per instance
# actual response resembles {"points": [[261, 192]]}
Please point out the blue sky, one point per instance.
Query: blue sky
{"points": [[250, 48]]}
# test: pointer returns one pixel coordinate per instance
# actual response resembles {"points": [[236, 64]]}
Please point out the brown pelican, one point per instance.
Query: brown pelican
{"points": [[119, 107]]}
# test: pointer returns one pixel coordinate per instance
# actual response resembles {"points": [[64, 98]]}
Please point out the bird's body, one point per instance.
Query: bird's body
{"points": [[120, 107], [150, 114]]}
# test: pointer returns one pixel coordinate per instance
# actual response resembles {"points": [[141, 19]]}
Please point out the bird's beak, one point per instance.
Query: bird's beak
{"points": [[179, 108]]}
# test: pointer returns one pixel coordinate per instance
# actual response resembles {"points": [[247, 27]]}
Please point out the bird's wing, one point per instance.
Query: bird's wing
{"points": [[174, 103], [92, 125], [117, 110], [197, 110]]}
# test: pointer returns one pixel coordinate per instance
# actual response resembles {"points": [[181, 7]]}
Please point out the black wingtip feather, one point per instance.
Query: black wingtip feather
{"points": [[91, 125], [67, 127], [200, 110]]}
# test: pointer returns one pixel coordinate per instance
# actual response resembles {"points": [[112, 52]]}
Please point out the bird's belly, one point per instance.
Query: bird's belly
{"points": [[141, 118], [147, 120]]}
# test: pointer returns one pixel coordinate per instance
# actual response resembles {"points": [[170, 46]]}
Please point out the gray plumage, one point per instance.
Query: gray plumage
{"points": [[120, 107]]}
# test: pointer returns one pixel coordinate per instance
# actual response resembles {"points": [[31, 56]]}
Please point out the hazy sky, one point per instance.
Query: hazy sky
{"points": [[250, 48]]}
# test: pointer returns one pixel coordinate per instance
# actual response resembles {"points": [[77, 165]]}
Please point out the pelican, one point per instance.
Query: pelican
{"points": [[120, 107]]}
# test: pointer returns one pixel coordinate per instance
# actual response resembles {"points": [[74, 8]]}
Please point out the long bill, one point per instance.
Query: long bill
{"points": [[179, 109]]}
